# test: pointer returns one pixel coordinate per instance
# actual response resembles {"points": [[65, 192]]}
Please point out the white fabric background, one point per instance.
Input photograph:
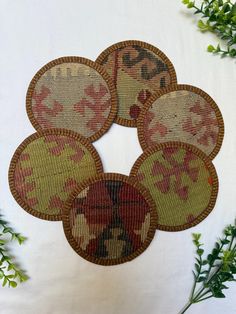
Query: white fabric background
{"points": [[33, 32]]}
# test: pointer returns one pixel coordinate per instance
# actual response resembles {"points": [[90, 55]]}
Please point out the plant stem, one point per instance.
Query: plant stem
{"points": [[200, 300], [201, 295], [186, 307], [198, 293], [195, 282]]}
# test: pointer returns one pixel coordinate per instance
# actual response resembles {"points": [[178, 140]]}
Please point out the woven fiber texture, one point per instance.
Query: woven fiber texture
{"points": [[182, 181], [110, 219], [72, 93], [47, 166], [137, 70], [182, 113]]}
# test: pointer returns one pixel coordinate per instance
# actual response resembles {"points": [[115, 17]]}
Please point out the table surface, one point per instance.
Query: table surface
{"points": [[34, 32]]}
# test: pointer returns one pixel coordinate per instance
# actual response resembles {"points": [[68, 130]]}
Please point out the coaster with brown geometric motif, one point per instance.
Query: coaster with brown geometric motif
{"points": [[47, 166], [182, 113], [182, 181], [110, 219], [72, 93], [138, 70]]}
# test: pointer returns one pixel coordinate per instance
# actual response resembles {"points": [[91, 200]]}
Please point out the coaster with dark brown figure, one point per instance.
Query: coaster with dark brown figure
{"points": [[110, 219], [47, 166], [182, 181], [182, 113], [72, 93], [138, 70]]}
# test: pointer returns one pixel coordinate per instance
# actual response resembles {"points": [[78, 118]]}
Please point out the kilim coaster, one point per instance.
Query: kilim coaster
{"points": [[138, 70], [182, 181], [72, 93], [182, 113], [47, 166], [110, 219]]}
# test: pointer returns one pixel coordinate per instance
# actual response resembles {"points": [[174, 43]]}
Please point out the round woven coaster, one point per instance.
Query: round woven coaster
{"points": [[110, 219], [72, 93], [138, 70], [182, 181], [182, 113], [47, 166]]}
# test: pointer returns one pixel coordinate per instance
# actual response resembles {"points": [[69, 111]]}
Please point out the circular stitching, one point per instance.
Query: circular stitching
{"points": [[177, 87], [91, 64], [20, 149], [116, 177], [210, 167], [158, 52]]}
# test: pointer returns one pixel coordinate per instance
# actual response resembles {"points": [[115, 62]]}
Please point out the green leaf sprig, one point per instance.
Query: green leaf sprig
{"points": [[213, 272], [219, 17], [10, 273]]}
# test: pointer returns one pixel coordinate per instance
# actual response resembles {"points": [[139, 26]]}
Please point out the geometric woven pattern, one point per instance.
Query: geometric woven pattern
{"points": [[110, 219], [56, 173], [182, 181], [47, 166], [137, 70], [182, 113], [72, 93]]}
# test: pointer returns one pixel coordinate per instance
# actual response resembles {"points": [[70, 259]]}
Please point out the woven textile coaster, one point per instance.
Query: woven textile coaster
{"points": [[182, 181], [72, 93], [182, 113], [110, 219], [138, 70], [47, 166]]}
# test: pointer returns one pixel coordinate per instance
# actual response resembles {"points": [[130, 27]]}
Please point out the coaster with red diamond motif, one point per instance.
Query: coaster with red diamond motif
{"points": [[72, 93], [138, 70], [110, 219], [182, 182], [182, 113], [47, 167]]}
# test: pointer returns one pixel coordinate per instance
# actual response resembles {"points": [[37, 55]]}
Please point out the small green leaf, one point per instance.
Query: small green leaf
{"points": [[197, 267], [21, 239], [200, 252], [196, 236], [215, 252], [234, 18], [190, 5], [4, 282], [232, 52], [225, 241], [10, 267], [210, 48], [201, 278], [219, 294], [13, 284], [226, 8], [202, 25]]}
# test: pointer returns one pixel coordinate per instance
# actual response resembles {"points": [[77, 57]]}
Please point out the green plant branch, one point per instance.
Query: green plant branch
{"points": [[212, 272], [9, 272], [218, 17]]}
